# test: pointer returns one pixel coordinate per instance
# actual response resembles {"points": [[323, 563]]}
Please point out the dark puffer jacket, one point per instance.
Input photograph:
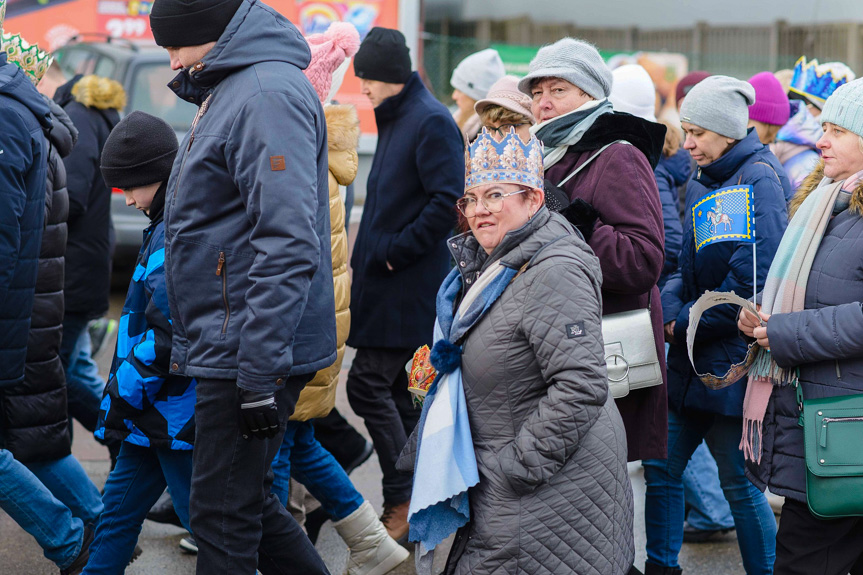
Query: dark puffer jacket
{"points": [[724, 266], [92, 103], [671, 173], [24, 119], [825, 341], [554, 495], [35, 426]]}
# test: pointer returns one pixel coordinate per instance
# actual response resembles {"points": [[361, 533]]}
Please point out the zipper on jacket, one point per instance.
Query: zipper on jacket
{"points": [[201, 111], [838, 371], [823, 439], [223, 272]]}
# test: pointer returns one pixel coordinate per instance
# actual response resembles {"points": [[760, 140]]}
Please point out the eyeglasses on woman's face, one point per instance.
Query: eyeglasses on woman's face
{"points": [[493, 202], [502, 130]]}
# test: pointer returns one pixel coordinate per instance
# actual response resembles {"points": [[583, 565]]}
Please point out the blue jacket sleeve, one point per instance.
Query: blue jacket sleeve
{"points": [[82, 164], [281, 206], [15, 160], [142, 371], [813, 335], [670, 220], [440, 163], [770, 216], [672, 301]]}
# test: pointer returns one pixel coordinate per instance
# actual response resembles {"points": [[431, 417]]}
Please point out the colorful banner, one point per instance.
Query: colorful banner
{"points": [[724, 215]]}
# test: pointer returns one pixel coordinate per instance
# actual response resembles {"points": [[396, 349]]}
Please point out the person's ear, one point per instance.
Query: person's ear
{"points": [[537, 199]]}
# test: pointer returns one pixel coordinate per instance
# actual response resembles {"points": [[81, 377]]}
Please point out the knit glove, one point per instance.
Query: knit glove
{"points": [[259, 415]]}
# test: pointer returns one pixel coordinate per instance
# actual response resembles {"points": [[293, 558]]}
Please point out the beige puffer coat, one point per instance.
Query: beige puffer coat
{"points": [[343, 132]]}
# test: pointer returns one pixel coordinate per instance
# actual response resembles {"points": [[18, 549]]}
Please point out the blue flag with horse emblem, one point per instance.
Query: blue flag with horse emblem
{"points": [[724, 215]]}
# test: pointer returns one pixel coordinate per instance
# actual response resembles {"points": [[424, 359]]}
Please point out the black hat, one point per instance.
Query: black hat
{"points": [[139, 151], [383, 56], [177, 23]]}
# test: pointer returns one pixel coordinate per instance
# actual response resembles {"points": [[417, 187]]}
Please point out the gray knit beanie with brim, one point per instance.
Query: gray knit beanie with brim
{"points": [[844, 107], [719, 104], [576, 61]]}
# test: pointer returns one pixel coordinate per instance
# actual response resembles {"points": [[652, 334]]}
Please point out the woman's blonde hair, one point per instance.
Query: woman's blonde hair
{"points": [[673, 137], [498, 114]]}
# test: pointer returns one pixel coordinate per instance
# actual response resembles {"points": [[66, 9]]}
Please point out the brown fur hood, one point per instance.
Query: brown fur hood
{"points": [[343, 135], [100, 93], [811, 182]]}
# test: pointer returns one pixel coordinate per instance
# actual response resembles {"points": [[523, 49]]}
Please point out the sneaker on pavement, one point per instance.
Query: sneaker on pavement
{"points": [[693, 535], [80, 561], [395, 519], [189, 545], [163, 511], [101, 331]]}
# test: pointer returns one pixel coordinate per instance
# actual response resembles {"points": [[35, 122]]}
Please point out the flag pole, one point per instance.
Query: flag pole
{"points": [[754, 276]]}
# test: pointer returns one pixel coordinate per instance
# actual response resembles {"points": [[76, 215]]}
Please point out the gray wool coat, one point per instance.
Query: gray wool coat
{"points": [[554, 495], [825, 341]]}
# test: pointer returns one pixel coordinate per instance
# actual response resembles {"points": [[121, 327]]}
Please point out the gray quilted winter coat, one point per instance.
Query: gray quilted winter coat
{"points": [[554, 496]]}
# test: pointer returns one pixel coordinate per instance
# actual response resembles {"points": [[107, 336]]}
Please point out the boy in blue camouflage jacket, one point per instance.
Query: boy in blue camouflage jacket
{"points": [[151, 411]]}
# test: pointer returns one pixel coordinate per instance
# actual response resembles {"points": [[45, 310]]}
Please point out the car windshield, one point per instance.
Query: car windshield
{"points": [[150, 93]]}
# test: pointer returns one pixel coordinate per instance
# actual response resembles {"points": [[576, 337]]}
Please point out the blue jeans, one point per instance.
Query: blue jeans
{"points": [[302, 456], [31, 505], [709, 511], [664, 503], [68, 482], [84, 386], [134, 485]]}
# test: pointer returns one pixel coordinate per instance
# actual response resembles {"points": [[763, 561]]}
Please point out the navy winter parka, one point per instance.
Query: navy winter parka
{"points": [[143, 403], [824, 340], [24, 122], [671, 172], [416, 177], [723, 266], [88, 252], [247, 218]]}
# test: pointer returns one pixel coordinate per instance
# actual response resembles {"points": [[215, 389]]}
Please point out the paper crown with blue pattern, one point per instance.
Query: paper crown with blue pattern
{"points": [[33, 61], [815, 82], [509, 161]]}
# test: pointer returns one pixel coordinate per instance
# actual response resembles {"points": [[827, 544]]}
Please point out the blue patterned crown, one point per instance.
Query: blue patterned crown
{"points": [[816, 82], [510, 161]]}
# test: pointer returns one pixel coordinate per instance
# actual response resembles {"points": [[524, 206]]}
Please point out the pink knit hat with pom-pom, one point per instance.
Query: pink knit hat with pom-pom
{"points": [[329, 51]]}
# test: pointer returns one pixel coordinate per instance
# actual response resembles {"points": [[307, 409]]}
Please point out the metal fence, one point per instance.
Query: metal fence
{"points": [[739, 51]]}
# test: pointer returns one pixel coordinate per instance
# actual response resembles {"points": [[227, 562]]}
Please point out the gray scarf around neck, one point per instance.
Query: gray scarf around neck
{"points": [[561, 132]]}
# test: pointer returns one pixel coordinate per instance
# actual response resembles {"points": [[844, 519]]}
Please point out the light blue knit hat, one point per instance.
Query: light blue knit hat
{"points": [[844, 107]]}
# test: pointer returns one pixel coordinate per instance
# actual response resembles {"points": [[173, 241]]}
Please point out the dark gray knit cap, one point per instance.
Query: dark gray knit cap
{"points": [[139, 151]]}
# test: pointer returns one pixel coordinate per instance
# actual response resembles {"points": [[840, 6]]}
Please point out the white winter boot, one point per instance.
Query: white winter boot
{"points": [[373, 552]]}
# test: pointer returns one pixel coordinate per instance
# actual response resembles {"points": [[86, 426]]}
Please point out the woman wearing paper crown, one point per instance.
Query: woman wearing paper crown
{"points": [[813, 328], [520, 443], [714, 117]]}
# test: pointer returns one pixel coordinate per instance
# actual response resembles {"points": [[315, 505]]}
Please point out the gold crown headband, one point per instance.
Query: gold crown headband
{"points": [[33, 61]]}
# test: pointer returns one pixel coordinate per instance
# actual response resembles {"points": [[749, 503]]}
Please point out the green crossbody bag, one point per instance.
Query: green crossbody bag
{"points": [[833, 435]]}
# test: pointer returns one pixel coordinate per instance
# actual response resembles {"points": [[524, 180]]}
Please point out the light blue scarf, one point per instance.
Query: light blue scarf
{"points": [[445, 465]]}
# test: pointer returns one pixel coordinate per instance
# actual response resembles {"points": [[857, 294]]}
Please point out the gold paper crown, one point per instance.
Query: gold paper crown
{"points": [[33, 61], [510, 161]]}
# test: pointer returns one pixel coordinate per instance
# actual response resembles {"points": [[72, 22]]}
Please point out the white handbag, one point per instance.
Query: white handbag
{"points": [[630, 352]]}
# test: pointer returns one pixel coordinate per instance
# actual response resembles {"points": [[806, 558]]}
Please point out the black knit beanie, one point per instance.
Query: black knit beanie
{"points": [[383, 56], [177, 23], [139, 151]]}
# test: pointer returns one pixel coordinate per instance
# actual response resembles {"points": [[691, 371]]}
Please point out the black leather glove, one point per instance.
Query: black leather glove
{"points": [[259, 416], [556, 199], [582, 215]]}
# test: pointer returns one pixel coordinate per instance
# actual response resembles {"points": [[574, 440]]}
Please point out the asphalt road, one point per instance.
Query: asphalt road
{"points": [[20, 555]]}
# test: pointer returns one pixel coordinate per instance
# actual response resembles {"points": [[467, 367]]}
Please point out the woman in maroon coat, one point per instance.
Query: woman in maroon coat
{"points": [[615, 201]]}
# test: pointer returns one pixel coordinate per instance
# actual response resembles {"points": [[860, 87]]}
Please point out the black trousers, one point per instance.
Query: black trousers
{"points": [[378, 392], [806, 545], [238, 524], [339, 437]]}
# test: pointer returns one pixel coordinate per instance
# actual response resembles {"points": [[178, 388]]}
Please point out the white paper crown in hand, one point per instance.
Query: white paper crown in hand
{"points": [[509, 161]]}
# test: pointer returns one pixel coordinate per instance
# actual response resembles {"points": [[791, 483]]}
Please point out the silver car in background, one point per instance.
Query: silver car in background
{"points": [[144, 71]]}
